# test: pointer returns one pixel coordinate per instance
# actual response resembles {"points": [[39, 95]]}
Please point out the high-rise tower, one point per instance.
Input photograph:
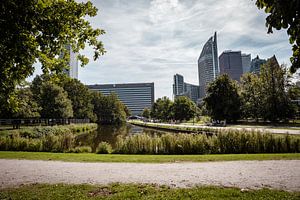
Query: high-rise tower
{"points": [[230, 63], [208, 64], [73, 63]]}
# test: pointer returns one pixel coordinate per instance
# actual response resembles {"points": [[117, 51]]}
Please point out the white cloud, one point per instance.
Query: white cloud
{"points": [[150, 41]]}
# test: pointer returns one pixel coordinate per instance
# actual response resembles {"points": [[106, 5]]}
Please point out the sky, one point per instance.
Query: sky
{"points": [[151, 40]]}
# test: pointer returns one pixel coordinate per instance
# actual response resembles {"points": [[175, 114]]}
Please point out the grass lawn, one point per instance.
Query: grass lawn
{"points": [[91, 157], [134, 191]]}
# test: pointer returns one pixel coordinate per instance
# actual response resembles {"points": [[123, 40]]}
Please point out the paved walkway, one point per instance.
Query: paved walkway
{"points": [[281, 174], [280, 130]]}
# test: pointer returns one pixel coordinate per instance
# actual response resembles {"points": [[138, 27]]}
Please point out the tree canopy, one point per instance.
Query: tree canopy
{"points": [[183, 108], [162, 109], [284, 14], [109, 109], [38, 30], [81, 98], [222, 100], [275, 102], [54, 102]]}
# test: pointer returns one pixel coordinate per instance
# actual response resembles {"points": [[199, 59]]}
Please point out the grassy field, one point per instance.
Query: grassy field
{"points": [[134, 191], [88, 157]]}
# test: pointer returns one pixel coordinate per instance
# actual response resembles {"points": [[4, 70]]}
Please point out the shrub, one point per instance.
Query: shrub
{"points": [[82, 149], [104, 148]]}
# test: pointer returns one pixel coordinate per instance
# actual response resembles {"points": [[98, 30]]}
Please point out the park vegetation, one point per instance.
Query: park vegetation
{"points": [[181, 109], [46, 138], [118, 191], [40, 31], [284, 15], [219, 142], [267, 96], [53, 97]]}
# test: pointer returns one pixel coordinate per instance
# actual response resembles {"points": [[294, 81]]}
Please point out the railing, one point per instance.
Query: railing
{"points": [[16, 123]]}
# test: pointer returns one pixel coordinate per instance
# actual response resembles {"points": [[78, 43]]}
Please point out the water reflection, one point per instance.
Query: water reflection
{"points": [[109, 133]]}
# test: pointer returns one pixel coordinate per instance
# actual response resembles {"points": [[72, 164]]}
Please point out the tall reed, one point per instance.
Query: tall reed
{"points": [[227, 142]]}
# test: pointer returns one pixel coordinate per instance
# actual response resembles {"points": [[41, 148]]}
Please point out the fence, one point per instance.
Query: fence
{"points": [[16, 123]]}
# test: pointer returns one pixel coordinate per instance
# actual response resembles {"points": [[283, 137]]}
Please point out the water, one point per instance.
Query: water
{"points": [[109, 133]]}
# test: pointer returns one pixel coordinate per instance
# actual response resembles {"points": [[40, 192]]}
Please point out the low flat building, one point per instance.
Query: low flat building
{"points": [[136, 96]]}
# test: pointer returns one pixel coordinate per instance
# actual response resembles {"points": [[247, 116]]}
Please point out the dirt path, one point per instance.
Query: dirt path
{"points": [[243, 174]]}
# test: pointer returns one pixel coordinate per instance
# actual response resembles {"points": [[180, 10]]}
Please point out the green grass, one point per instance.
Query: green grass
{"points": [[88, 157], [138, 191]]}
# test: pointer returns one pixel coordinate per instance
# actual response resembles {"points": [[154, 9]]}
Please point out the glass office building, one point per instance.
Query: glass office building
{"points": [[180, 88], [72, 71], [256, 64], [208, 64], [136, 96], [231, 63]]}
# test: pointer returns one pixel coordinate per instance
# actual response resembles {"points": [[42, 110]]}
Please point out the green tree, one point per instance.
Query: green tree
{"points": [[146, 113], [81, 98], [184, 108], [27, 106], [251, 96], [284, 14], [109, 109], [162, 109], [222, 100], [39, 30], [294, 95], [54, 102], [127, 111], [275, 102]]}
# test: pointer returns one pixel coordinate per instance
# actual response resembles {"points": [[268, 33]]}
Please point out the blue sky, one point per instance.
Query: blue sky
{"points": [[150, 41]]}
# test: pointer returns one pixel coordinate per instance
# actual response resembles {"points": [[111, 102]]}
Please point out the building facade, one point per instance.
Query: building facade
{"points": [[73, 63], [180, 88], [136, 96], [208, 64], [256, 65], [178, 84], [192, 91], [231, 63], [246, 62]]}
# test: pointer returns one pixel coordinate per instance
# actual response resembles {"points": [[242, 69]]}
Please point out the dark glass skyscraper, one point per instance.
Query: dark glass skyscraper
{"points": [[208, 64], [231, 64], [180, 88], [256, 64]]}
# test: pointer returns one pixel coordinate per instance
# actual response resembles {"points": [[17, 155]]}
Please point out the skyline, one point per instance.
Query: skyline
{"points": [[167, 38]]}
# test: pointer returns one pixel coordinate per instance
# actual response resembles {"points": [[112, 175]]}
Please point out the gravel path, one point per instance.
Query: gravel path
{"points": [[243, 174]]}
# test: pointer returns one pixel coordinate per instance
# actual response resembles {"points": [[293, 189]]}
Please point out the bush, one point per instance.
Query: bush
{"points": [[104, 148], [82, 149]]}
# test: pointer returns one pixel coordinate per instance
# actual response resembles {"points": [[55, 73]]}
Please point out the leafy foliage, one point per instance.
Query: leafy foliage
{"points": [[146, 113], [222, 100], [276, 104], [162, 109], [251, 96], [55, 102], [284, 14], [109, 109], [184, 108], [27, 105], [39, 30], [81, 98]]}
